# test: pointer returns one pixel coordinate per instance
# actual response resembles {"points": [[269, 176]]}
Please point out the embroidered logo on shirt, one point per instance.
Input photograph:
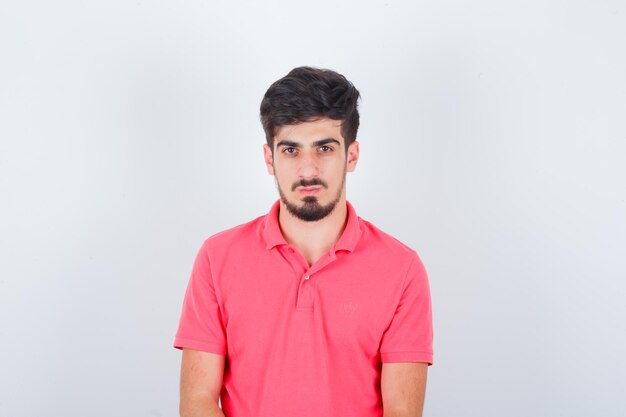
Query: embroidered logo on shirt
{"points": [[350, 306]]}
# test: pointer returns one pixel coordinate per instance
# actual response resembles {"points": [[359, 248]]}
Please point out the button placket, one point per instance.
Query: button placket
{"points": [[306, 288], [306, 294]]}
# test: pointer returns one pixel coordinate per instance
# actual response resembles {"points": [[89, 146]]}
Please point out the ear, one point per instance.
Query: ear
{"points": [[269, 159], [352, 156]]}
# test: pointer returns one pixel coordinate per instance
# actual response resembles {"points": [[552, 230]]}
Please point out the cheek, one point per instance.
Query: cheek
{"points": [[286, 167], [337, 169], [282, 176]]}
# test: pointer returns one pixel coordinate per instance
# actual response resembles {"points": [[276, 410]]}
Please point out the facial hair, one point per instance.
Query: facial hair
{"points": [[311, 210]]}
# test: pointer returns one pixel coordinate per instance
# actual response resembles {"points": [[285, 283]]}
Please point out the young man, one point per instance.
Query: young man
{"points": [[309, 310]]}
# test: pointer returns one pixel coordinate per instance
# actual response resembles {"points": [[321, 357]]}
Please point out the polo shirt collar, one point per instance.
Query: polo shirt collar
{"points": [[271, 230], [348, 240], [351, 234]]}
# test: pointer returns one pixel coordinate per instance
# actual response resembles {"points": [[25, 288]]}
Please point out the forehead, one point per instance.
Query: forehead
{"points": [[307, 132]]}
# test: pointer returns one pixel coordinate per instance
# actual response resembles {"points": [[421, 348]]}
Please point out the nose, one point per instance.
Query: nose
{"points": [[308, 167]]}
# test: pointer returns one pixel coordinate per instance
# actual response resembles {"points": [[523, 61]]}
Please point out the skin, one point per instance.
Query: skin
{"points": [[403, 388], [201, 377], [307, 152]]}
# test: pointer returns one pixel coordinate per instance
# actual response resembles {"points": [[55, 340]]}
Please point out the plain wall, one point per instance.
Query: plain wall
{"points": [[492, 142]]}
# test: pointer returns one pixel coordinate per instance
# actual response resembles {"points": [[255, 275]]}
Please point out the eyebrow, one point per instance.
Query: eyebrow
{"points": [[294, 144]]}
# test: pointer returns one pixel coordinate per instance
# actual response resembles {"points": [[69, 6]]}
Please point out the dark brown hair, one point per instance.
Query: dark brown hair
{"points": [[306, 94]]}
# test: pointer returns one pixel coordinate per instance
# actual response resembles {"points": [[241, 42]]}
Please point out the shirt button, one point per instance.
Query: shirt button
{"points": [[307, 277]]}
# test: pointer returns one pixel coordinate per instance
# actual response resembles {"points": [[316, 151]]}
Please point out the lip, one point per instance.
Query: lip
{"points": [[309, 190]]}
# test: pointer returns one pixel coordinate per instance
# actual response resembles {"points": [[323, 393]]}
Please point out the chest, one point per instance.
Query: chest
{"points": [[272, 304]]}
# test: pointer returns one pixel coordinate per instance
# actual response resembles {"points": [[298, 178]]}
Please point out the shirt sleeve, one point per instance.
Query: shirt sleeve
{"points": [[201, 326], [409, 336]]}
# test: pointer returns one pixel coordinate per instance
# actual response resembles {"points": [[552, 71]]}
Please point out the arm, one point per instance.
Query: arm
{"points": [[201, 378], [403, 387]]}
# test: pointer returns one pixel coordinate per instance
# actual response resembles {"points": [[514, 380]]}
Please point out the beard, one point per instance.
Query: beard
{"points": [[311, 210]]}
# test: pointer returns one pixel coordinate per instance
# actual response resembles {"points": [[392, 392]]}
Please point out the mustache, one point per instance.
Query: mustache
{"points": [[308, 183]]}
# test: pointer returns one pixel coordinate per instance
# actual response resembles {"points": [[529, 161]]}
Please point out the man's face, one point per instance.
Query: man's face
{"points": [[309, 162]]}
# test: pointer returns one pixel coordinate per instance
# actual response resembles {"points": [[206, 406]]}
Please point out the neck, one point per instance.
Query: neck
{"points": [[313, 239]]}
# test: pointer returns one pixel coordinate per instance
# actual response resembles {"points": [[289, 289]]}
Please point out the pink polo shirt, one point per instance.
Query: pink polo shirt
{"points": [[306, 341]]}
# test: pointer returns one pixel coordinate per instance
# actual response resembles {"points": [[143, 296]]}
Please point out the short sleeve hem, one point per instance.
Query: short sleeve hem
{"points": [[414, 356], [180, 343]]}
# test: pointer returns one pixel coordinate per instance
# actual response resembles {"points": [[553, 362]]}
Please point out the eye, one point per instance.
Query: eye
{"points": [[325, 148], [290, 150]]}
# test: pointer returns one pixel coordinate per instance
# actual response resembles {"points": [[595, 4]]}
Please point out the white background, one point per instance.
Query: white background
{"points": [[492, 140]]}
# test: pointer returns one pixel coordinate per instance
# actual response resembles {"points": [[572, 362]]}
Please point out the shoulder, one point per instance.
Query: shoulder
{"points": [[386, 245], [380, 239], [243, 235]]}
